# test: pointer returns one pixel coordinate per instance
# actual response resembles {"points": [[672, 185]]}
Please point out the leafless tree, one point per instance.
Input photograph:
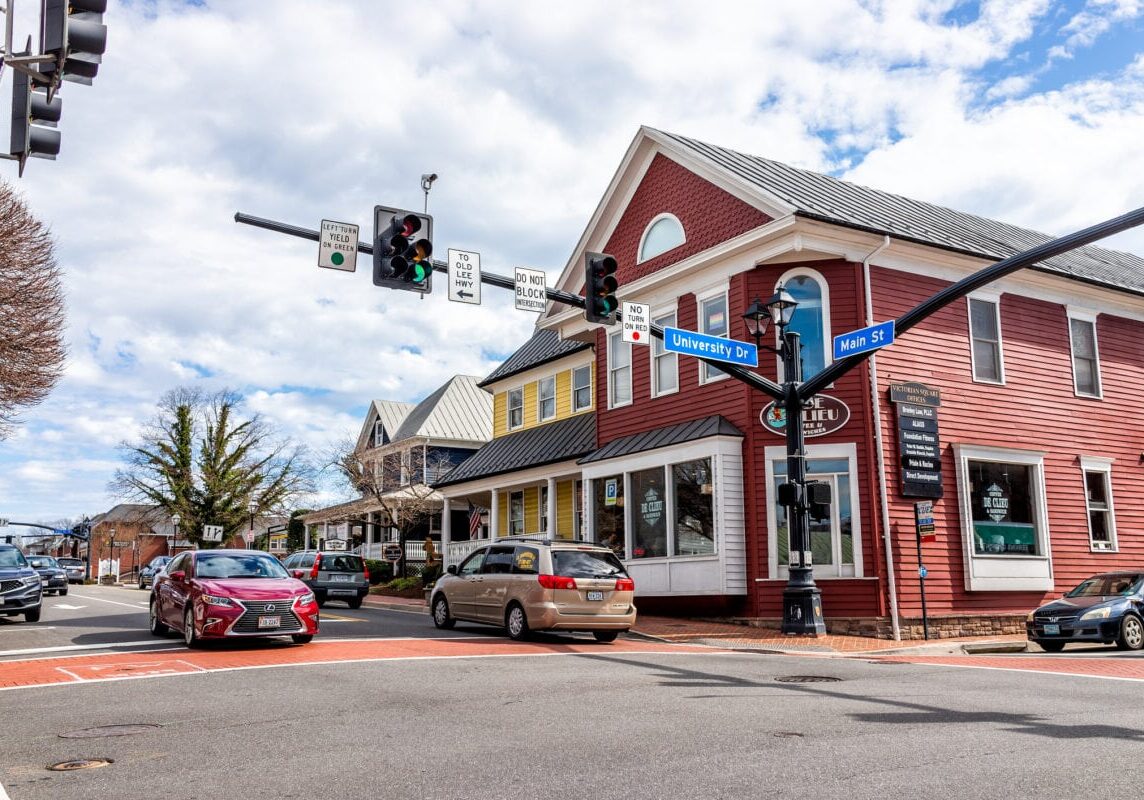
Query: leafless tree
{"points": [[32, 350]]}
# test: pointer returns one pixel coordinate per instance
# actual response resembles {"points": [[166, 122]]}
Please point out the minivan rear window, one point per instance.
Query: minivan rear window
{"points": [[587, 564], [340, 563]]}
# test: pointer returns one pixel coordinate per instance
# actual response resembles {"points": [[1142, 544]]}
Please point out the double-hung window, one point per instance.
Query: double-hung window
{"points": [[516, 513], [1085, 361], [713, 322], [985, 334], [542, 510], [546, 398], [665, 365], [1098, 502], [619, 371], [582, 388], [515, 408]]}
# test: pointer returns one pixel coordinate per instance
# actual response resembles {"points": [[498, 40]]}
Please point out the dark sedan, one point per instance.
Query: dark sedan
{"points": [[1104, 609], [52, 574], [154, 567]]}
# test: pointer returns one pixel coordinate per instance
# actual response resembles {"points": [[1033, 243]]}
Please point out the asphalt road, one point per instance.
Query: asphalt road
{"points": [[481, 717]]}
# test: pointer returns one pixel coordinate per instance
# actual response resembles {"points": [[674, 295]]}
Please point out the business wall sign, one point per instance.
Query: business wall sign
{"points": [[919, 442], [821, 415]]}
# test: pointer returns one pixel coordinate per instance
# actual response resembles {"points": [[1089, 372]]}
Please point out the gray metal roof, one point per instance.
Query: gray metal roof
{"points": [[546, 444], [663, 437], [544, 346], [829, 199], [460, 410]]}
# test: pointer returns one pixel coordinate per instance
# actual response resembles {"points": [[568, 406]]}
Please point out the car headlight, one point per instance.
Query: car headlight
{"points": [[32, 581], [1029, 618], [305, 599], [1096, 613], [211, 600]]}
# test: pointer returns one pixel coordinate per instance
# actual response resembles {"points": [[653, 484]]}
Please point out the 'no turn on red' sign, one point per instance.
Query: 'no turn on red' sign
{"points": [[636, 323]]}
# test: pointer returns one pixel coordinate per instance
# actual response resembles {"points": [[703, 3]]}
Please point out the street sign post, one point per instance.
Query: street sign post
{"points": [[864, 340], [337, 245], [335, 544], [212, 533], [465, 277], [636, 323], [276, 528], [702, 345], [530, 290]]}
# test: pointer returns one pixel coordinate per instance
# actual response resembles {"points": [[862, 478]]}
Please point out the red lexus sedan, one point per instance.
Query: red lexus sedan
{"points": [[216, 594]]}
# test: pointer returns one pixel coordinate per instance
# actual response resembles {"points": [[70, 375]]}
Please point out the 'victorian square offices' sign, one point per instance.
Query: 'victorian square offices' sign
{"points": [[919, 447]]}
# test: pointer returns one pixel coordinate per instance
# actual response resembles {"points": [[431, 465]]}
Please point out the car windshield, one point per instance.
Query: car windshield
{"points": [[1108, 585], [12, 558], [587, 564], [160, 562], [238, 565], [71, 562]]}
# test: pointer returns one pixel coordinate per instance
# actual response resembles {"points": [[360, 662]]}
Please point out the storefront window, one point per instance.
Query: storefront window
{"points": [[694, 515], [1001, 500], [608, 506], [831, 538], [649, 514]]}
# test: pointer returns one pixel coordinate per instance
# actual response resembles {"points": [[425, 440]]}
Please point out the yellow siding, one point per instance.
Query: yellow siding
{"points": [[500, 414], [564, 509], [563, 394], [531, 412], [532, 510], [530, 405]]}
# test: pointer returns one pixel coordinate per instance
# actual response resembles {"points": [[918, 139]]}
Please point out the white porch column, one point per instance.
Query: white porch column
{"points": [[551, 511], [494, 516], [446, 527]]}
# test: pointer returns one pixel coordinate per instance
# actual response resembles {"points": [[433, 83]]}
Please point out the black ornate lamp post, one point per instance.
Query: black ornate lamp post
{"points": [[253, 510], [802, 600], [172, 542]]}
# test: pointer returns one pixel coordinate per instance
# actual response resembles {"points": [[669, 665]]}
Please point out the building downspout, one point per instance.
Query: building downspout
{"points": [[891, 581]]}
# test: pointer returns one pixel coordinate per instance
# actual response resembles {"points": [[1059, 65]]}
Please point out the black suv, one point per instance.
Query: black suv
{"points": [[20, 585], [331, 575]]}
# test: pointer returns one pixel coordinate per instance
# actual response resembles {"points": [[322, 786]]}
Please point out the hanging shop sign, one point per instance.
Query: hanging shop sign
{"points": [[919, 438], [821, 415]]}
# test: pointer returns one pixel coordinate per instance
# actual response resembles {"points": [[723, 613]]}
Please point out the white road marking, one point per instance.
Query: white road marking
{"points": [[70, 647], [67, 607], [113, 602]]}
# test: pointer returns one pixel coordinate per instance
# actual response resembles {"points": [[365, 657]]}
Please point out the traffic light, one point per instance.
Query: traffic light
{"points": [[600, 286], [31, 112], [818, 500], [73, 33], [402, 249]]}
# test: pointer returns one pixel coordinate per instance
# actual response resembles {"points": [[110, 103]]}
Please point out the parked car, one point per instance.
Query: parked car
{"points": [[76, 568], [20, 585], [1106, 608], [54, 578], [151, 569], [538, 585], [331, 575], [215, 594]]}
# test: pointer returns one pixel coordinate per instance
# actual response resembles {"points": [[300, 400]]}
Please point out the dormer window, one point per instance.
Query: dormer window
{"points": [[662, 234], [379, 437]]}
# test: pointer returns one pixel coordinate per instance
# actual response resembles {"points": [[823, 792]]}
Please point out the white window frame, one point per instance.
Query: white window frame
{"points": [[1089, 317], [509, 407], [1102, 466], [847, 450], [827, 333], [658, 352], [706, 374], [995, 299], [643, 237], [1004, 573], [551, 379], [542, 508], [578, 509], [378, 433], [511, 497], [576, 406], [614, 341]]}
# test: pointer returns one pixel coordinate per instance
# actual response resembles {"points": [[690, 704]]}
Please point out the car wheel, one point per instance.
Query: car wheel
{"points": [[63, 591], [190, 638], [158, 628], [141, 584], [302, 638], [355, 603], [1052, 647], [441, 616], [605, 636], [32, 616], [516, 623], [1131, 633], [322, 603]]}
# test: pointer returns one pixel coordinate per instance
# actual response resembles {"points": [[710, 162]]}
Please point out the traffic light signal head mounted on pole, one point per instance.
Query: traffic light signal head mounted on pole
{"points": [[600, 286], [31, 111], [402, 249], [73, 32]]}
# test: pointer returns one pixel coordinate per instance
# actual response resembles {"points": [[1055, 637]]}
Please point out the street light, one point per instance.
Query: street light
{"points": [[253, 511], [802, 600], [175, 520]]}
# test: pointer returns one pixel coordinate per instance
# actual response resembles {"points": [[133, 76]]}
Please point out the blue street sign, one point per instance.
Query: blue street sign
{"points": [[864, 339], [691, 343]]}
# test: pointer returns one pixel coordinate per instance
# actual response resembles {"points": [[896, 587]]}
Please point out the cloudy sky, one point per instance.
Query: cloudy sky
{"points": [[1027, 111]]}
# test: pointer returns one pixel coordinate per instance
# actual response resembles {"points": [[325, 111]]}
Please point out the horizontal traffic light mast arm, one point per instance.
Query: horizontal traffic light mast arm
{"points": [[975, 281]]}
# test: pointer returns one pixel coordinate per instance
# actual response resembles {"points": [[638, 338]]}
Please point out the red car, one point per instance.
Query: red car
{"points": [[216, 594]]}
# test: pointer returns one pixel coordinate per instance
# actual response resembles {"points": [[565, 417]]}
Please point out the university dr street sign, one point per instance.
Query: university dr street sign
{"points": [[676, 340]]}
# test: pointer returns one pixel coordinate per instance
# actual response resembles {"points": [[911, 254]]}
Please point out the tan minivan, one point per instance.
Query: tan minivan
{"points": [[538, 585]]}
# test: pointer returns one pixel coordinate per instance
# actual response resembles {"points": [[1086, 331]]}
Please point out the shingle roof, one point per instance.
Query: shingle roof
{"points": [[546, 444], [460, 410], [829, 199], [544, 346], [663, 437]]}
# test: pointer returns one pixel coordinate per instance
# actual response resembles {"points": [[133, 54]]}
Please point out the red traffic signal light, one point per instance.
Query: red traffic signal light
{"points": [[401, 257], [600, 286]]}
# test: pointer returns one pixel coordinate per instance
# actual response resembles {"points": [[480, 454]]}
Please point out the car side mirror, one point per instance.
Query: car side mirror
{"points": [[297, 573], [178, 575], [452, 569]]}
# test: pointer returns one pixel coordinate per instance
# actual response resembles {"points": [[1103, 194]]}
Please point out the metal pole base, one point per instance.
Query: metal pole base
{"points": [[802, 604]]}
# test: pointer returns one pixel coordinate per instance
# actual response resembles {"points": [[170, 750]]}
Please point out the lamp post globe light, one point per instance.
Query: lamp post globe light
{"points": [[175, 520], [802, 600]]}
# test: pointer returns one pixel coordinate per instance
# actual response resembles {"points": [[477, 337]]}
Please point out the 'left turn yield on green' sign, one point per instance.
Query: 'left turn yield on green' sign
{"points": [[337, 246]]}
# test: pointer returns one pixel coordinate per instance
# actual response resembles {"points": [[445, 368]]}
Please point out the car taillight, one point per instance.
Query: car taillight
{"points": [[316, 567], [365, 570], [556, 582], [625, 585]]}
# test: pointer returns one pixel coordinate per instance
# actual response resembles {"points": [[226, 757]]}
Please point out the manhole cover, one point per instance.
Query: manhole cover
{"points": [[806, 679], [83, 763], [109, 730], [788, 734]]}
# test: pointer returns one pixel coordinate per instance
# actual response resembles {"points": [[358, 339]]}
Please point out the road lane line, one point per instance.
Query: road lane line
{"points": [[113, 602], [64, 648]]}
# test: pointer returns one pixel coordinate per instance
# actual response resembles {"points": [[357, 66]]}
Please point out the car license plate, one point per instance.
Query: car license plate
{"points": [[341, 578], [1052, 630], [270, 622], [595, 595], [341, 591]]}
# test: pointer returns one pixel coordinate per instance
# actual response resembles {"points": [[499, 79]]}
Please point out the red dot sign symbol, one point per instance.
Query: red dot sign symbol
{"points": [[636, 335]]}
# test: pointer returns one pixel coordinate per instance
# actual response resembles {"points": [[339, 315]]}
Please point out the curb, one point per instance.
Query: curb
{"points": [[995, 647]]}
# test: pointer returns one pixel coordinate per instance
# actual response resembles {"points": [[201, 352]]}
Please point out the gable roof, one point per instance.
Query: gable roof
{"points": [[545, 444], [460, 410], [390, 412], [822, 197], [663, 437], [544, 346]]}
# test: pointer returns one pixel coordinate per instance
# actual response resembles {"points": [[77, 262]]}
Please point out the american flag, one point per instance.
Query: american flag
{"points": [[474, 520]]}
